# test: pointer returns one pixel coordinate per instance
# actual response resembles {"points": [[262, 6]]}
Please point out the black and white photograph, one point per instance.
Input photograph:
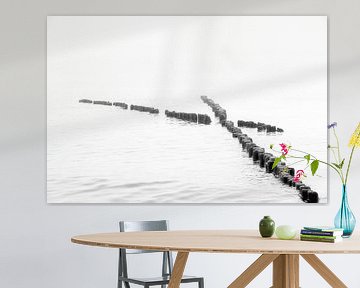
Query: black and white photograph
{"points": [[186, 109]]}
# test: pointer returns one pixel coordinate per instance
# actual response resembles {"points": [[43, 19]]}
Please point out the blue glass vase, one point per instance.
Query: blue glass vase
{"points": [[345, 219]]}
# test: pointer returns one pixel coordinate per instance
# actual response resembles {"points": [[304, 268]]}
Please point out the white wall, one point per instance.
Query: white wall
{"points": [[35, 248]]}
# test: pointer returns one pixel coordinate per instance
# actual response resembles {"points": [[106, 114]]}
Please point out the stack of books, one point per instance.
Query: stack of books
{"points": [[321, 234]]}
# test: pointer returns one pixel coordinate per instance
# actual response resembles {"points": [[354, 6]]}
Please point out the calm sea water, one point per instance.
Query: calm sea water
{"points": [[104, 154]]}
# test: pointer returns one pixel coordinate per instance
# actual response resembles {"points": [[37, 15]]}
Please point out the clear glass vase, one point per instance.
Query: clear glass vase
{"points": [[345, 219]]}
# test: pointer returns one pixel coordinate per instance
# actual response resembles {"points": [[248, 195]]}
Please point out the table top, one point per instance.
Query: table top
{"points": [[216, 241]]}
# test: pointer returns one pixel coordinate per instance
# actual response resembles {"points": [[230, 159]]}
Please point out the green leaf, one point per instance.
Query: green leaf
{"points": [[314, 166], [307, 157], [336, 165], [271, 146], [339, 166], [342, 163], [276, 162]]}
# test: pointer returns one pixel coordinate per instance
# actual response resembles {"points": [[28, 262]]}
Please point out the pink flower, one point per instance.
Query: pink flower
{"points": [[298, 175], [284, 149]]}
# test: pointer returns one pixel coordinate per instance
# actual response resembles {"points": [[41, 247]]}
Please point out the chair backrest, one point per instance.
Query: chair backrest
{"points": [[137, 226]]}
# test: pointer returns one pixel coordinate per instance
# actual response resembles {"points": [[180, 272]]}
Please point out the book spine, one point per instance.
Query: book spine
{"points": [[317, 239], [318, 233], [318, 236]]}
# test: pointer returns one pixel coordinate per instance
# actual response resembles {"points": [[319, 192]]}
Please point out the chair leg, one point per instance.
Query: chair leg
{"points": [[201, 283]]}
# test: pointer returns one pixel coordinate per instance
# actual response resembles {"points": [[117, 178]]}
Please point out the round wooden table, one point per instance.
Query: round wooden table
{"points": [[284, 254]]}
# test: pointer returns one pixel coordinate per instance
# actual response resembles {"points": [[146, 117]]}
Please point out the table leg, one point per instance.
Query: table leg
{"points": [[286, 271], [324, 271], [253, 270], [178, 269]]}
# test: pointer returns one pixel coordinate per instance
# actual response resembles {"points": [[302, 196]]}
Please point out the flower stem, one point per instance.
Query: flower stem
{"points": [[314, 158], [350, 159], [338, 145], [333, 152], [300, 151], [302, 160], [323, 162], [348, 167], [339, 154]]}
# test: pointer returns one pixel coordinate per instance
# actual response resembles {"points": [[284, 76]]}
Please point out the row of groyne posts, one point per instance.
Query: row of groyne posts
{"points": [[260, 126], [259, 156], [257, 153], [190, 117]]}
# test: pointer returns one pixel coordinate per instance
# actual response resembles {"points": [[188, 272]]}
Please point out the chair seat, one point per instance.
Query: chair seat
{"points": [[158, 280]]}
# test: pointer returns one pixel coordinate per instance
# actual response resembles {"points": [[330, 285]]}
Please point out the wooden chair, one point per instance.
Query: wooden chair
{"points": [[167, 262]]}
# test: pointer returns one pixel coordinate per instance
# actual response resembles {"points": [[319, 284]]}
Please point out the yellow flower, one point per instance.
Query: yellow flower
{"points": [[355, 138]]}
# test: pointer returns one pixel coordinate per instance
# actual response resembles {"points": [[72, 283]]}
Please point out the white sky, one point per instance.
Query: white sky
{"points": [[107, 55]]}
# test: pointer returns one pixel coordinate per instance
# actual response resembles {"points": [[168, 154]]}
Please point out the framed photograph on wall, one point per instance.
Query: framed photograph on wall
{"points": [[183, 109]]}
